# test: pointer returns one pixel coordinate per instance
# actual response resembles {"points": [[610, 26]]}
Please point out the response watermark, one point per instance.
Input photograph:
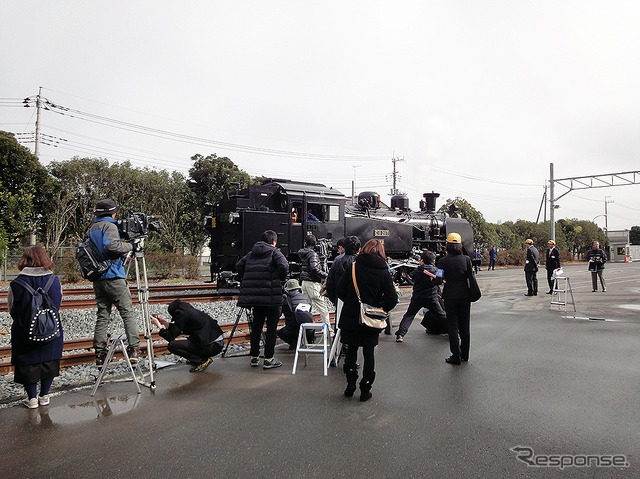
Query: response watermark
{"points": [[527, 455]]}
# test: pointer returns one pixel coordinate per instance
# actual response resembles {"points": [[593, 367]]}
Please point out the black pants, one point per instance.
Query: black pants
{"points": [[186, 349], [549, 280], [270, 315], [532, 282], [369, 366], [458, 315], [432, 303]]}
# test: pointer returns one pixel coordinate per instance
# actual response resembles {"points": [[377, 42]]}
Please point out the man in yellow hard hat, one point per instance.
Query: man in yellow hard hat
{"points": [[531, 268], [552, 263]]}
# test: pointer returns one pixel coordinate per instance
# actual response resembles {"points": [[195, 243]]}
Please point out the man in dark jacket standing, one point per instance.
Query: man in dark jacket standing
{"points": [[597, 258], [112, 289], [261, 273], [531, 268], [552, 263], [205, 338], [312, 276]]}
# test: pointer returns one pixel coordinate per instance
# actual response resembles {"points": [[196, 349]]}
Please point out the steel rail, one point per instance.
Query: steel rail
{"points": [[240, 336]]}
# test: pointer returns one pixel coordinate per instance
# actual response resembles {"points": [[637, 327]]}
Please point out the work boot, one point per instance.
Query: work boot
{"points": [[352, 379], [132, 352], [365, 387]]}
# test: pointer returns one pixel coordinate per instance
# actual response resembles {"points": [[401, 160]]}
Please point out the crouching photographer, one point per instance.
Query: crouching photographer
{"points": [[205, 338], [296, 308]]}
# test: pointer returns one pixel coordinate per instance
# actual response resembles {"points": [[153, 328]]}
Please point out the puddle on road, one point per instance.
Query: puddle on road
{"points": [[94, 409]]}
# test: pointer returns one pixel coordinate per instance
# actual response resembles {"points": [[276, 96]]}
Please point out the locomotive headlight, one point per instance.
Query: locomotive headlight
{"points": [[229, 218]]}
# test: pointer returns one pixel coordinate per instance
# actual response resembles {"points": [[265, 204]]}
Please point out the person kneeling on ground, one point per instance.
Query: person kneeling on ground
{"points": [[205, 338], [296, 308], [425, 294]]}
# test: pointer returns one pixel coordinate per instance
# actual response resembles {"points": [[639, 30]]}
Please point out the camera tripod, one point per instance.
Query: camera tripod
{"points": [[249, 314], [119, 342]]}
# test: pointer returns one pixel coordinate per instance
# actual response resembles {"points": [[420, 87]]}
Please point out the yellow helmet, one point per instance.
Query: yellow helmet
{"points": [[551, 242], [529, 241], [454, 238]]}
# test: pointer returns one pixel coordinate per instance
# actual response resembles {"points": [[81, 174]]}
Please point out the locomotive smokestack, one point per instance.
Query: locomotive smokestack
{"points": [[430, 201]]}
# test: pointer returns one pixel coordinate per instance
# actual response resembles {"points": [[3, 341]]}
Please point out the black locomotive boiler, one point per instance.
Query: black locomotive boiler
{"points": [[295, 209]]}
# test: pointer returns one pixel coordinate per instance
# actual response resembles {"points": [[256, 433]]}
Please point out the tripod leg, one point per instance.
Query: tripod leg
{"points": [[233, 330]]}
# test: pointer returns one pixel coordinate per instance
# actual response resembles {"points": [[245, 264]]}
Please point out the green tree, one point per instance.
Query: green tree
{"points": [[634, 235], [25, 188], [482, 232], [209, 178], [81, 183]]}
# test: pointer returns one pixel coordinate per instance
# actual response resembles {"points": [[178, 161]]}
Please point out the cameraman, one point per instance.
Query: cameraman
{"points": [[311, 276], [112, 289], [205, 336]]}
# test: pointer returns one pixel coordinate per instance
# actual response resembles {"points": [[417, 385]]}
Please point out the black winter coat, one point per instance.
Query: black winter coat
{"points": [[424, 285], [456, 273], [311, 267], [202, 329], [340, 264], [23, 351], [376, 288], [261, 273]]}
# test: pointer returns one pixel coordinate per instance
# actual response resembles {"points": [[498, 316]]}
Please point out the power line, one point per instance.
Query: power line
{"points": [[158, 133]]}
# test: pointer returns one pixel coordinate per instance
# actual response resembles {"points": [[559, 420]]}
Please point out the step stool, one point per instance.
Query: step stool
{"points": [[336, 347], [562, 287], [304, 347]]}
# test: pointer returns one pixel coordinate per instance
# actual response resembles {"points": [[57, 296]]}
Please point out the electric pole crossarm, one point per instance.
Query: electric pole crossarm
{"points": [[600, 181]]}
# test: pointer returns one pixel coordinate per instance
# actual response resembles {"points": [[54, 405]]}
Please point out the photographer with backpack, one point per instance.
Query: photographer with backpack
{"points": [[111, 288], [34, 299]]}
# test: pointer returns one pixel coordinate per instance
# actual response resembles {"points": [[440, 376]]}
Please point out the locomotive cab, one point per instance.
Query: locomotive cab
{"points": [[291, 209]]}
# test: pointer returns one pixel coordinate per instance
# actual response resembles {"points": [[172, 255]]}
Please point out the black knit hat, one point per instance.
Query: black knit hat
{"points": [[106, 207]]}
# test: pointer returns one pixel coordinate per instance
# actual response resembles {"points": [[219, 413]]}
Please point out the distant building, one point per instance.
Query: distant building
{"points": [[620, 249]]}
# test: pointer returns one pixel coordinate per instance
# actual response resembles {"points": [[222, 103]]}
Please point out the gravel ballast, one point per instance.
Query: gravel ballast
{"points": [[79, 324]]}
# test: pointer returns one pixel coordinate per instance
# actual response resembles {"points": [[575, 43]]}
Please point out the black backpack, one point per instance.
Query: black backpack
{"points": [[92, 264], [42, 315]]}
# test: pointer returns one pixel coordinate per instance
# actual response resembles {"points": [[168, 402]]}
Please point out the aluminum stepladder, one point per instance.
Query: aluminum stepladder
{"points": [[119, 342], [334, 353], [304, 347], [562, 287]]}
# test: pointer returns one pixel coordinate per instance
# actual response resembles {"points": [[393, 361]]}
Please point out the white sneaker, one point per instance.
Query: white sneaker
{"points": [[44, 400], [31, 403]]}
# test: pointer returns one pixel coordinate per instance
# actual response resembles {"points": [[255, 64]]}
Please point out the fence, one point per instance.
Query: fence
{"points": [[158, 264]]}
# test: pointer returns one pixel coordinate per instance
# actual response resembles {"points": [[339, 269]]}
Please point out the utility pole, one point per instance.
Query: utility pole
{"points": [[606, 222], [552, 203], [37, 147], [394, 190]]}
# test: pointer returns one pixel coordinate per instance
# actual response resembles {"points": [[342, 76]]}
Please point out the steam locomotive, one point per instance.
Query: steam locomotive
{"points": [[295, 209]]}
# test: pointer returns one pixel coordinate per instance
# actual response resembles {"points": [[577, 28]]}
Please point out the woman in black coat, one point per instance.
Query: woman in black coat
{"points": [[457, 268], [34, 362], [377, 289]]}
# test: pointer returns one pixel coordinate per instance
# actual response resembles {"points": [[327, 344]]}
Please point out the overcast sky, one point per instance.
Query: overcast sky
{"points": [[476, 97]]}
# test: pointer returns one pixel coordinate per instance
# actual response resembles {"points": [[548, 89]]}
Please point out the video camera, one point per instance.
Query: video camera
{"points": [[137, 225]]}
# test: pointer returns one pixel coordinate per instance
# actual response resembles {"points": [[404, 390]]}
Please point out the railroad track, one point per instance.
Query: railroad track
{"points": [[80, 351], [158, 294]]}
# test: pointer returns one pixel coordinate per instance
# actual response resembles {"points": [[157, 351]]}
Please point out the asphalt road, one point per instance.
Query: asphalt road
{"points": [[542, 387]]}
